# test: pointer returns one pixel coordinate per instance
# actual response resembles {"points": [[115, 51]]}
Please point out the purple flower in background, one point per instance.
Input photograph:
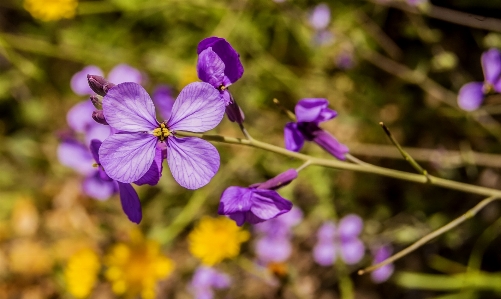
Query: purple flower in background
{"points": [[257, 203], [342, 240], [128, 154], [205, 280], [119, 74], [344, 60], [309, 114], [382, 274], [472, 94], [274, 245], [163, 100], [219, 65], [416, 2], [320, 16]]}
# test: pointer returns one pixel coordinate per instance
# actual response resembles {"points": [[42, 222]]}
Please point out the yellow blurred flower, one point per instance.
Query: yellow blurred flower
{"points": [[215, 239], [51, 10], [187, 75], [81, 272], [135, 267]]}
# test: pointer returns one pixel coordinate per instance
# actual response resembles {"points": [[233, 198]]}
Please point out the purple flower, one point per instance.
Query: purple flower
{"points": [[309, 113], [342, 240], [320, 16], [472, 94], [382, 274], [274, 246], [119, 74], [257, 203], [128, 154], [219, 65], [163, 100], [205, 280]]}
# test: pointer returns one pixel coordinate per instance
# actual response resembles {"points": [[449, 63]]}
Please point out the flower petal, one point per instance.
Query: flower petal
{"points": [[268, 204], [210, 68], [128, 107], [97, 188], [192, 161], [278, 181], [352, 251], [324, 253], [97, 131], [471, 96], [79, 117], [235, 199], [382, 274], [320, 16], [79, 83], [327, 232], [329, 143], [124, 73], [152, 176], [127, 157], [198, 108], [350, 226], [491, 65], [293, 138], [313, 110], [73, 154], [162, 97], [273, 249], [130, 202], [231, 59]]}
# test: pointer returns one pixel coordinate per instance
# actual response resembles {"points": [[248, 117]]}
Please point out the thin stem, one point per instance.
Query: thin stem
{"points": [[305, 164], [336, 164], [289, 113], [245, 132], [404, 154], [469, 214]]}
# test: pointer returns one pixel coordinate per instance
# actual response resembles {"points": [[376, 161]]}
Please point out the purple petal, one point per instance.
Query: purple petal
{"points": [[97, 131], [124, 73], [313, 110], [241, 217], [491, 65], [75, 155], [279, 181], [192, 161], [210, 68], [235, 199], [291, 218], [293, 138], [128, 107], [324, 253], [152, 176], [130, 202], [162, 97], [97, 188], [231, 59], [79, 117], [79, 83], [198, 108], [127, 157], [329, 143], [273, 249], [471, 96], [94, 146], [382, 274], [320, 16], [233, 111], [352, 251], [327, 232], [268, 204], [207, 277], [350, 226]]}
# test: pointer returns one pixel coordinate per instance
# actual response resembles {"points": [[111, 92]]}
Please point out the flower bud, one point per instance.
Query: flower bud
{"points": [[235, 114], [99, 85], [96, 101], [98, 116], [279, 181]]}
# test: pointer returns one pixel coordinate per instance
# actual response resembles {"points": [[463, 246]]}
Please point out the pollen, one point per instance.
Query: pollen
{"points": [[162, 132]]}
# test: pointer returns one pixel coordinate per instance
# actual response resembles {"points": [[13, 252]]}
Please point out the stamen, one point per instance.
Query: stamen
{"points": [[95, 165], [162, 133]]}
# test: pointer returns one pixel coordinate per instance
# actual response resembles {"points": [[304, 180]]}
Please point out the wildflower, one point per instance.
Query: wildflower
{"points": [[81, 272], [342, 240], [383, 273], [274, 245], [214, 239], [51, 10], [219, 65], [320, 17], [309, 113], [127, 155], [472, 94], [135, 267], [257, 203], [205, 280]]}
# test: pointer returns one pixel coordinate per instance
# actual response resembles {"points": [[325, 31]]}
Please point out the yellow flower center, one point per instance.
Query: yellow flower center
{"points": [[162, 133]]}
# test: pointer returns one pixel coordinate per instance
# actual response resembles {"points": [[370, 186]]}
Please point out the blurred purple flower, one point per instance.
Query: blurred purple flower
{"points": [[472, 94], [205, 280], [309, 114], [345, 60], [257, 203], [163, 100], [128, 154], [274, 245], [320, 16], [342, 240], [219, 65], [416, 2], [382, 274]]}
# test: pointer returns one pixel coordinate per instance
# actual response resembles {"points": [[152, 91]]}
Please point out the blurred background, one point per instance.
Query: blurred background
{"points": [[397, 61]]}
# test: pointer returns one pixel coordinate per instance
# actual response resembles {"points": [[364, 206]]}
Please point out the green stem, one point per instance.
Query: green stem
{"points": [[336, 164]]}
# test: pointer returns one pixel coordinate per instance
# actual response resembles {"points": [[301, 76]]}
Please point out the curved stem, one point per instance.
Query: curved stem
{"points": [[469, 214], [366, 168]]}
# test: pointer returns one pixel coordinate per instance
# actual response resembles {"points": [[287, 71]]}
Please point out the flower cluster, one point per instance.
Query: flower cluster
{"points": [[341, 240], [472, 94]]}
